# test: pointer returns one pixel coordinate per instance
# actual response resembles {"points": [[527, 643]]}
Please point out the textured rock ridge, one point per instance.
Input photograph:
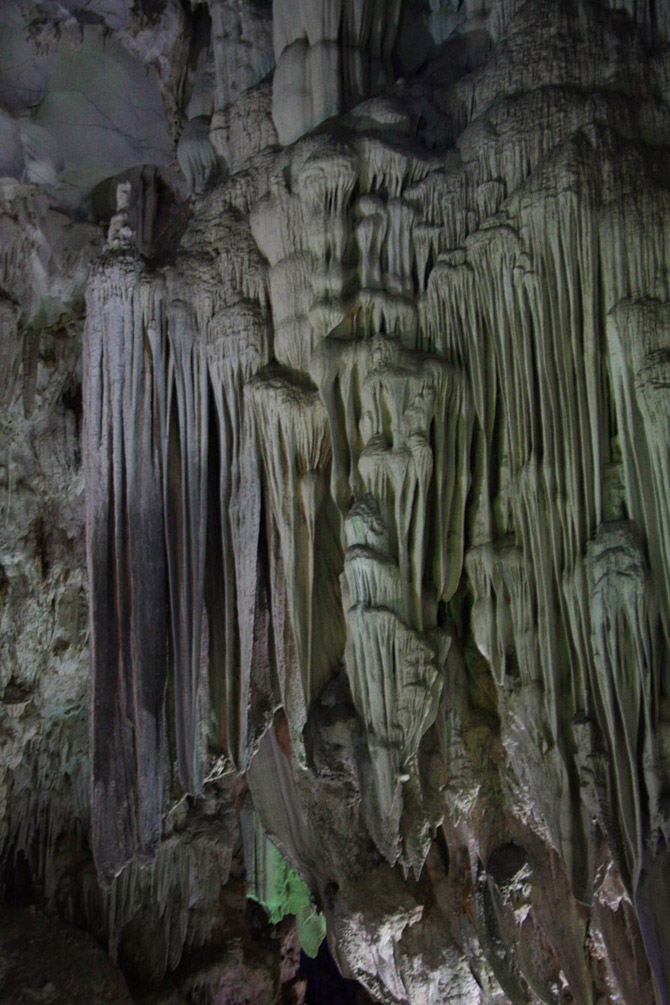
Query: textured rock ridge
{"points": [[375, 422]]}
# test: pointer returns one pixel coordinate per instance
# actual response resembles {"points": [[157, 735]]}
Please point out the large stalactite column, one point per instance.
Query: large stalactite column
{"points": [[186, 518], [124, 416]]}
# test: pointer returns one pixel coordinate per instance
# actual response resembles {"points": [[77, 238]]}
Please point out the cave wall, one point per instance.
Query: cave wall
{"points": [[333, 405]]}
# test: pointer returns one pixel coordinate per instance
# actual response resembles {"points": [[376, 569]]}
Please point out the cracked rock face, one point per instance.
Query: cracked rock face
{"points": [[335, 507]]}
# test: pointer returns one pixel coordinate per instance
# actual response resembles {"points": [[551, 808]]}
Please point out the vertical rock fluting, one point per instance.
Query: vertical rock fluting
{"points": [[383, 451], [186, 528], [236, 350], [124, 382]]}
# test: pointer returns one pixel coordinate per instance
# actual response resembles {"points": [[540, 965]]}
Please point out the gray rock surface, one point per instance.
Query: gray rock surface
{"points": [[334, 498]]}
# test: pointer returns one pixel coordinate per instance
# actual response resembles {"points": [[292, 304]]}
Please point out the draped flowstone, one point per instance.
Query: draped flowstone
{"points": [[124, 400]]}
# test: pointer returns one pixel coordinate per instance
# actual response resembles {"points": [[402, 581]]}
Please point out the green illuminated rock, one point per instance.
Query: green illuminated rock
{"points": [[273, 883]]}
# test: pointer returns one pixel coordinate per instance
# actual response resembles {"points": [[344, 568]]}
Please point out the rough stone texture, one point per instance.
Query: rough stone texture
{"points": [[373, 428], [44, 961]]}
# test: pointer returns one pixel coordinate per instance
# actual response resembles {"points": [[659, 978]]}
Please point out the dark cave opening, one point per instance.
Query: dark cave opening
{"points": [[325, 983], [17, 889]]}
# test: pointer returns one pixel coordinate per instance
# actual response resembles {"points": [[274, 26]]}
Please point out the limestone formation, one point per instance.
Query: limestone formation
{"points": [[335, 387]]}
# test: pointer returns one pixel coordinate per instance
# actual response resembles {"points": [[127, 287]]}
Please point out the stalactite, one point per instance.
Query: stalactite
{"points": [[238, 603], [124, 369], [377, 467], [295, 444], [185, 468]]}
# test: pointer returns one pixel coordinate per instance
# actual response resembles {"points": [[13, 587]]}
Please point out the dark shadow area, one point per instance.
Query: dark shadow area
{"points": [[326, 985], [17, 881]]}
